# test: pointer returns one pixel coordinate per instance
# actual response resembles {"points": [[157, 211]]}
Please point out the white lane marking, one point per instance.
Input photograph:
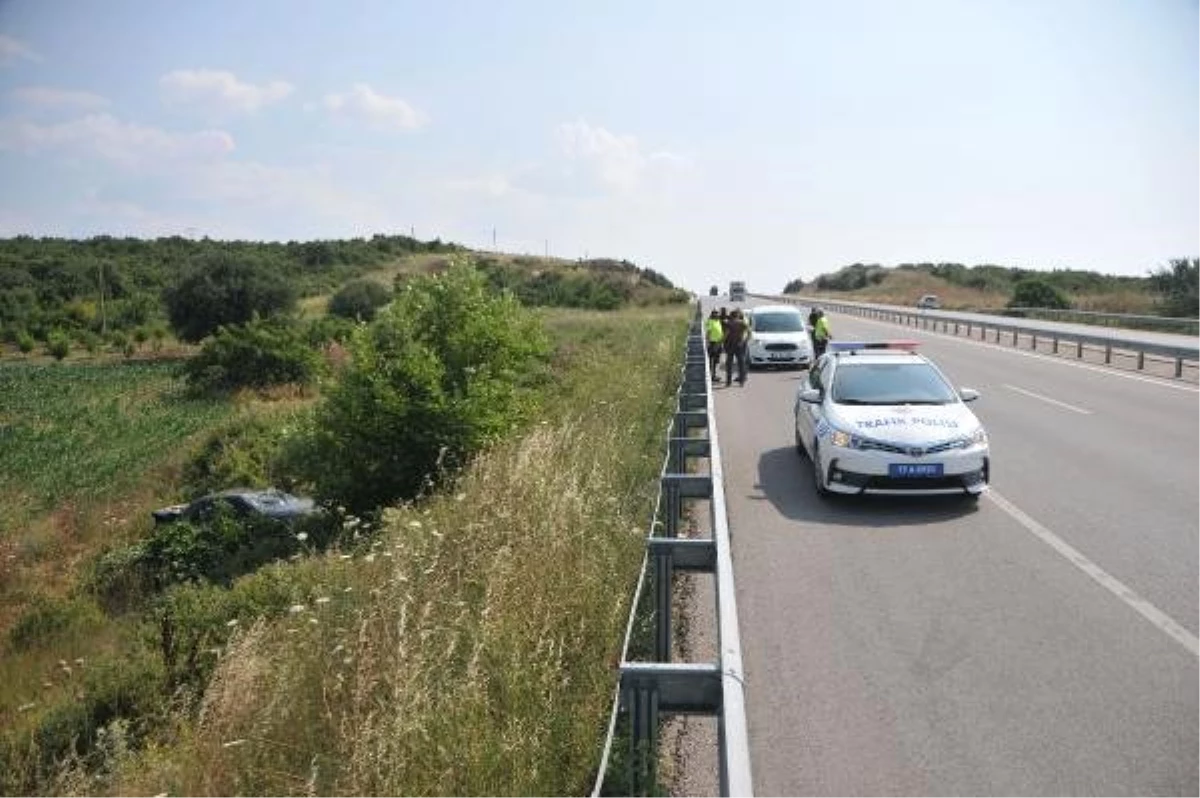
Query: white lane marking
{"points": [[1107, 371], [1106, 580], [1048, 399]]}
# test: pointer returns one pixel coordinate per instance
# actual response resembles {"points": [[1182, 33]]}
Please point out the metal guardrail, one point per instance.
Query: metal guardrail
{"points": [[1131, 321], [1180, 356], [648, 690]]}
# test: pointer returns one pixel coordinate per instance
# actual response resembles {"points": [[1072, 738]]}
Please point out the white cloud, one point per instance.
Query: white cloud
{"points": [[14, 50], [109, 138], [45, 97], [364, 104], [219, 90], [590, 161]]}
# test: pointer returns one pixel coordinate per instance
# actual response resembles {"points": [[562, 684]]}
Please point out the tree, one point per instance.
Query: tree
{"points": [[262, 353], [443, 370], [220, 288], [1179, 284], [359, 300], [1035, 293]]}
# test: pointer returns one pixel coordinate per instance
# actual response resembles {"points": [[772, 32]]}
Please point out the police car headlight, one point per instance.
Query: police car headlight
{"points": [[977, 438], [845, 440]]}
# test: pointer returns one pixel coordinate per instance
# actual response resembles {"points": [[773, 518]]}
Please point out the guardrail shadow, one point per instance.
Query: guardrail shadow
{"points": [[785, 479]]}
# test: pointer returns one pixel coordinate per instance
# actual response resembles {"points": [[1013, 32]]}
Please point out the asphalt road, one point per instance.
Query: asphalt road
{"points": [[1043, 643]]}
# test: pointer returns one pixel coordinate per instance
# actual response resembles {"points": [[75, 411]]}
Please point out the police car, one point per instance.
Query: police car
{"points": [[878, 417]]}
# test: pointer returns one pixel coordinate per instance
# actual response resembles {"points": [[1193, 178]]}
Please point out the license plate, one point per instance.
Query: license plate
{"points": [[781, 357], [908, 470]]}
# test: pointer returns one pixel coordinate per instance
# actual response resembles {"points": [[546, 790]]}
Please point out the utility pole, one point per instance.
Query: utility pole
{"points": [[493, 239], [547, 248], [103, 317]]}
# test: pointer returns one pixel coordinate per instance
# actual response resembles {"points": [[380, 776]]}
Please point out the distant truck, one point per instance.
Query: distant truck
{"points": [[737, 291]]}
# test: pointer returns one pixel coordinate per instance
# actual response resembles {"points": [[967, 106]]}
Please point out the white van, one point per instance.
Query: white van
{"points": [[779, 337]]}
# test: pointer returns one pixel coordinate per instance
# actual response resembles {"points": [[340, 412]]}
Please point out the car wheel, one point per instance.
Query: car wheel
{"points": [[819, 478]]}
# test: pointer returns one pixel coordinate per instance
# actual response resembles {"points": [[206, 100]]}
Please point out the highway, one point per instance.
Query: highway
{"points": [[1041, 643]]}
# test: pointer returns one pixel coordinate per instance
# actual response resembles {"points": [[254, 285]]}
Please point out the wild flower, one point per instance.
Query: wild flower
{"points": [[233, 743], [295, 608]]}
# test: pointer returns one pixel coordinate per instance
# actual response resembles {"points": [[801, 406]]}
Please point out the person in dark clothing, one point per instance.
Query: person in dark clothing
{"points": [[737, 339], [714, 335]]}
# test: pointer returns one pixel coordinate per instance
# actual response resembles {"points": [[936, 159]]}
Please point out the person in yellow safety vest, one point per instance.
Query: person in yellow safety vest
{"points": [[821, 334], [714, 335]]}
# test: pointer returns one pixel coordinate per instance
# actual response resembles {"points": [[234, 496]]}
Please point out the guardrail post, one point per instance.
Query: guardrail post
{"points": [[641, 700], [1141, 360], [1107, 354], [1055, 344], [1032, 341], [663, 573], [1079, 350], [1178, 367]]}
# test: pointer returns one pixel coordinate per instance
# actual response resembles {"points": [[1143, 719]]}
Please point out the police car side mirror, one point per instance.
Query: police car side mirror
{"points": [[968, 394], [811, 395]]}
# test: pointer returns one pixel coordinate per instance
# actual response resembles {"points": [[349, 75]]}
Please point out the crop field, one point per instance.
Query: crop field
{"points": [[75, 433]]}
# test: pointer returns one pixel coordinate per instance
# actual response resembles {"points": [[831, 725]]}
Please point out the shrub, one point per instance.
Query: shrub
{"points": [[48, 617], [25, 342], [1179, 285], [58, 345], [1034, 293], [219, 288], [359, 300], [255, 355], [239, 454], [444, 370]]}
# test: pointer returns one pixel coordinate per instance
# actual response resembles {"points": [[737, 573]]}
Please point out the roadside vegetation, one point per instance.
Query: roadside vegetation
{"points": [[1169, 291], [446, 626]]}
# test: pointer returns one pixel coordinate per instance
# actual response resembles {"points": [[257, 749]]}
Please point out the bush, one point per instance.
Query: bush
{"points": [[255, 355], [359, 300], [1034, 293], [48, 617], [444, 370], [239, 454], [58, 345], [1179, 285], [25, 342], [220, 288]]}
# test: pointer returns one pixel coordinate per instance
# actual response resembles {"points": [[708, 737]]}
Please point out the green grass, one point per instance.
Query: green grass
{"points": [[73, 433]]}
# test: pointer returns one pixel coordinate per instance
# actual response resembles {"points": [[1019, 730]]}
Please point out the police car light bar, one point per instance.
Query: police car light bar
{"points": [[852, 346]]}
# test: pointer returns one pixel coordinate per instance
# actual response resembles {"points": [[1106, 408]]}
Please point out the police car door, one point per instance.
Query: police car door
{"points": [[809, 414]]}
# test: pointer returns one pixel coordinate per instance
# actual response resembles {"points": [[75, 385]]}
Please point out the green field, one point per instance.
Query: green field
{"points": [[77, 433]]}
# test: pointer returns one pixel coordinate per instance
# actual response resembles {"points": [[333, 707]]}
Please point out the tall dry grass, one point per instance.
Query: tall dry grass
{"points": [[471, 651]]}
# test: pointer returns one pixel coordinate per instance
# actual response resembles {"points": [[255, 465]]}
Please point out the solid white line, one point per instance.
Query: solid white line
{"points": [[1109, 582], [1048, 399], [1105, 370]]}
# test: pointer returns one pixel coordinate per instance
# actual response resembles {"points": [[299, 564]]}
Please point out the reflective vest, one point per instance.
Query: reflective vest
{"points": [[821, 329], [714, 331]]}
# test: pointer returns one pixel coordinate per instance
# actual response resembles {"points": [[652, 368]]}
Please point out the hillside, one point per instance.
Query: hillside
{"points": [[1170, 291], [100, 291]]}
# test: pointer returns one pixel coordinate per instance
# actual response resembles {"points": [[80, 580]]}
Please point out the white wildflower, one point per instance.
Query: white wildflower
{"points": [[295, 608]]}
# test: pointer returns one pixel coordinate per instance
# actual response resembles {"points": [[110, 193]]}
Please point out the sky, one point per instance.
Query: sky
{"points": [[761, 141]]}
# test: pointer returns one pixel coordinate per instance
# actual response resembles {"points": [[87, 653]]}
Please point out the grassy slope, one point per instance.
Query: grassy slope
{"points": [[564, 508], [905, 287]]}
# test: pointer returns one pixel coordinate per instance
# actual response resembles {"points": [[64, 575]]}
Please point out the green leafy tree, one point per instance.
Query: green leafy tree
{"points": [[1035, 293], [25, 342], [1179, 285], [224, 289], [256, 355], [58, 345], [446, 368], [359, 300]]}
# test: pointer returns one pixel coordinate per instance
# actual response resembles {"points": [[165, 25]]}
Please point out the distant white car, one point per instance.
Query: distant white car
{"points": [[929, 302], [779, 337], [881, 418]]}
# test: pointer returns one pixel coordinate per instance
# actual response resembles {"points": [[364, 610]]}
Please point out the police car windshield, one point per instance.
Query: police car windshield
{"points": [[890, 384], [778, 322]]}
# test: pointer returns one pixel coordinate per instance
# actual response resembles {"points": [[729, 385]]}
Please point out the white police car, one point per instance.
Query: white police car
{"points": [[880, 418]]}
